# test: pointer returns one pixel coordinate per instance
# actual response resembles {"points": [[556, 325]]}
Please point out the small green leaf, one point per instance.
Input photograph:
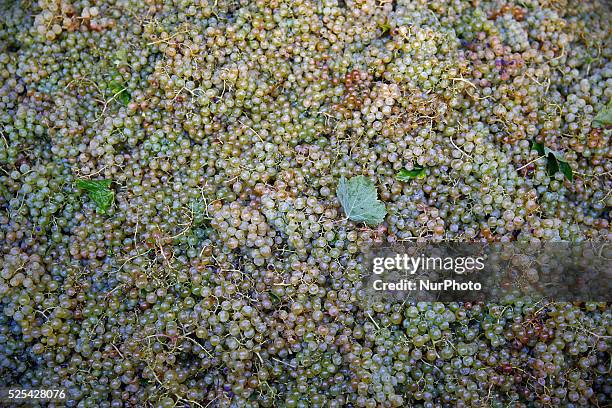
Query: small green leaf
{"points": [[558, 155], [359, 199], [555, 161], [119, 91], [125, 97], [604, 117], [407, 175], [552, 166], [385, 27], [566, 170], [115, 86], [275, 298], [544, 151], [99, 192], [92, 185], [538, 147]]}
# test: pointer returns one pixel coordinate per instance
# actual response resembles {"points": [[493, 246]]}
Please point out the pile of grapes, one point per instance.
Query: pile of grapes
{"points": [[174, 180]]}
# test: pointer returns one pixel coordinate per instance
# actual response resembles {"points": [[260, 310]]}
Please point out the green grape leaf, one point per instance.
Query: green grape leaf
{"points": [[552, 166], [555, 161], [275, 298], [604, 117], [407, 175], [99, 192], [119, 91], [385, 27], [566, 170], [558, 155], [538, 147], [125, 97], [545, 151], [359, 199]]}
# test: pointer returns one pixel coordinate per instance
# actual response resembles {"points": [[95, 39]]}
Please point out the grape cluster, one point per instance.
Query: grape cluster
{"points": [[226, 272]]}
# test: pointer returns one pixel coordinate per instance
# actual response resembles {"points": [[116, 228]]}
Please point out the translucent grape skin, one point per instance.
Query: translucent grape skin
{"points": [[225, 272]]}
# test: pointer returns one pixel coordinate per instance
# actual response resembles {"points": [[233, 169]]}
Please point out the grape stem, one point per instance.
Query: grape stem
{"points": [[251, 129], [531, 162], [457, 147], [284, 362], [373, 321]]}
